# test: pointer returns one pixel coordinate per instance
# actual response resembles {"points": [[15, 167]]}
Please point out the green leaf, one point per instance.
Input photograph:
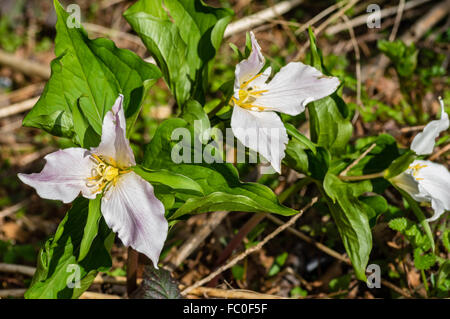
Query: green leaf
{"points": [[423, 261], [158, 284], [238, 272], [59, 263], [173, 180], [400, 164], [292, 131], [330, 125], [91, 227], [352, 222], [419, 214], [403, 56], [87, 77], [220, 182], [183, 37], [377, 204]]}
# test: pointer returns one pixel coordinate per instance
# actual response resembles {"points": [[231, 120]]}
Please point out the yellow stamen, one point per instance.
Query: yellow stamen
{"points": [[103, 175], [247, 96], [416, 168]]}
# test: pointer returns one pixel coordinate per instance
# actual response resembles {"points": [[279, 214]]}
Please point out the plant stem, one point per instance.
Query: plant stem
{"points": [[362, 177], [424, 279]]}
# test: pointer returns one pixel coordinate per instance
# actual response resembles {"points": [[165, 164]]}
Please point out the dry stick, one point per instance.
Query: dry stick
{"points": [[325, 25], [230, 294], [345, 171], [358, 63], [132, 268], [260, 17], [412, 129], [333, 253], [196, 239], [362, 19], [398, 19], [440, 152], [5, 293], [24, 66], [251, 249], [11, 210], [17, 269], [319, 16], [18, 107], [226, 253], [21, 94]]}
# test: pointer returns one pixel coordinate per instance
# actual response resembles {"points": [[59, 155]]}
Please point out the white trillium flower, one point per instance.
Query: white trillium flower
{"points": [[254, 121], [128, 204], [426, 181]]}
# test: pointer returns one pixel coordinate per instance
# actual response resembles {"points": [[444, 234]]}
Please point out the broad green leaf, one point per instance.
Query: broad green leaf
{"points": [[296, 157], [175, 181], [330, 125], [58, 261], [292, 131], [378, 159], [183, 37], [400, 164], [87, 77], [377, 204], [220, 182], [91, 227], [352, 222]]}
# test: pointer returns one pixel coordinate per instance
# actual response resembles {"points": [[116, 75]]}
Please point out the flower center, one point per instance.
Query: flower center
{"points": [[103, 174], [247, 95], [415, 170]]}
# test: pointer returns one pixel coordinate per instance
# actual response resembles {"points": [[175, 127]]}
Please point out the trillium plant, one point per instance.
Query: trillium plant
{"points": [[133, 195]]}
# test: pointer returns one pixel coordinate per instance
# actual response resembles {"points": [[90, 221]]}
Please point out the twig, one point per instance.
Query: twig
{"points": [[251, 249], [398, 19], [18, 107], [230, 294], [97, 295], [319, 16], [132, 267], [446, 148], [24, 66], [324, 25], [361, 177], [362, 19], [335, 16], [334, 254], [226, 253], [260, 17], [5, 293], [17, 269], [12, 209], [412, 129], [196, 239], [21, 94], [360, 157]]}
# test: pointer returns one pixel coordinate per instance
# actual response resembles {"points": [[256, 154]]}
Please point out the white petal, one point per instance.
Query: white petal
{"points": [[114, 144], [423, 143], [262, 132], [246, 69], [131, 209], [434, 184], [407, 182], [294, 86], [63, 176]]}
